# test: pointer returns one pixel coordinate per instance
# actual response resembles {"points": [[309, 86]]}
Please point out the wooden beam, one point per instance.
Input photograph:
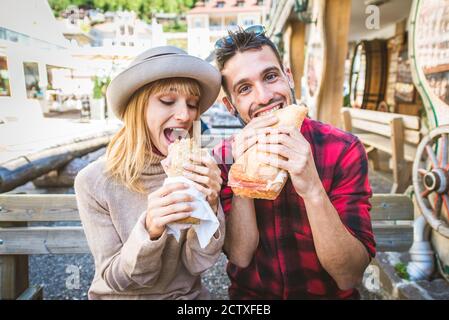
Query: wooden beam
{"points": [[32, 293], [28, 167], [399, 163], [37, 202], [346, 120], [44, 215], [393, 237], [297, 53], [13, 271], [43, 240], [391, 207], [336, 29]]}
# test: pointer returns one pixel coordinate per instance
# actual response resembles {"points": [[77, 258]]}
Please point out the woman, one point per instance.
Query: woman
{"points": [[123, 206]]}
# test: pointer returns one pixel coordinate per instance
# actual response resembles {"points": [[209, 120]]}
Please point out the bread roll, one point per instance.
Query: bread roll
{"points": [[178, 154]]}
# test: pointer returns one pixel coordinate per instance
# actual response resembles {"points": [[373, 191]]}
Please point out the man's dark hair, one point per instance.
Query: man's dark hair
{"points": [[242, 41]]}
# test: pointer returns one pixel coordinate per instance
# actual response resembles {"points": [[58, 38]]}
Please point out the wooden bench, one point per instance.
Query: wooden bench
{"points": [[18, 239], [395, 134]]}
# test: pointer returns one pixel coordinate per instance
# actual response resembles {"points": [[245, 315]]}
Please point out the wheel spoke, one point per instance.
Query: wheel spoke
{"points": [[446, 203], [432, 156], [426, 193], [437, 205], [444, 149], [422, 171]]}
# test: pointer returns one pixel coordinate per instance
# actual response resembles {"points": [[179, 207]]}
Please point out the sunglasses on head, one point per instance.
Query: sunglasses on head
{"points": [[258, 30]]}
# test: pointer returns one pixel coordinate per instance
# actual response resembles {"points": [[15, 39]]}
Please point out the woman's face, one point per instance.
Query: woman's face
{"points": [[170, 115]]}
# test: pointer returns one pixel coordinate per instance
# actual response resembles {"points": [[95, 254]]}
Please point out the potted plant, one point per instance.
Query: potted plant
{"points": [[98, 105]]}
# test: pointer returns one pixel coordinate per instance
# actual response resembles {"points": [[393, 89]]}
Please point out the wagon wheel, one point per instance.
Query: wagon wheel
{"points": [[431, 178]]}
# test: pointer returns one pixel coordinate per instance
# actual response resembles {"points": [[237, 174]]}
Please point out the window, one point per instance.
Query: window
{"points": [[215, 23], [248, 22], [230, 21], [240, 3], [31, 71], [130, 30], [4, 78], [220, 4], [198, 23], [259, 2]]}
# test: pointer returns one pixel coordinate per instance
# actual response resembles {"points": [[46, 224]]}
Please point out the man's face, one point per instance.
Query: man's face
{"points": [[256, 83]]}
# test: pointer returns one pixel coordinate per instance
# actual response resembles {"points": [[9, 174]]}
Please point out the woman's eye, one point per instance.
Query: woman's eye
{"points": [[193, 106], [166, 102]]}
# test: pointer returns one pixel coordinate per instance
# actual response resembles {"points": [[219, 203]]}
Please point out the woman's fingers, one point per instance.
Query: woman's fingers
{"points": [[174, 208], [164, 220], [167, 189], [170, 199]]}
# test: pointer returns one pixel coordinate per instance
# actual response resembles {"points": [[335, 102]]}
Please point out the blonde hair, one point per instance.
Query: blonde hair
{"points": [[131, 147]]}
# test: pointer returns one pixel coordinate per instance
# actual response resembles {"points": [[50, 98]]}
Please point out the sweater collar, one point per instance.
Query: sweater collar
{"points": [[153, 163]]}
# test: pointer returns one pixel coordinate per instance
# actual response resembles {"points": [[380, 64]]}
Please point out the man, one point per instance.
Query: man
{"points": [[315, 240]]}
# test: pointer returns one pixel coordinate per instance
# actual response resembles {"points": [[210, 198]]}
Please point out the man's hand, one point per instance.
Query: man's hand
{"points": [[246, 138], [295, 157]]}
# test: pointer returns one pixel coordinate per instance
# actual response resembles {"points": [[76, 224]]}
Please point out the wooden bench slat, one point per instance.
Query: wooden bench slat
{"points": [[37, 202], [43, 240], [410, 136], [32, 293], [39, 216], [384, 144], [71, 240], [393, 237], [410, 122], [391, 207]]}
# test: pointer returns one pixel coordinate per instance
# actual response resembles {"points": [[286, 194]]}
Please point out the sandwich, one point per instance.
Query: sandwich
{"points": [[248, 177], [178, 154]]}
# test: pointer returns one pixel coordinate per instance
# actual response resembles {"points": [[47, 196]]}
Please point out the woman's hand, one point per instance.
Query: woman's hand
{"points": [[206, 177], [165, 207]]}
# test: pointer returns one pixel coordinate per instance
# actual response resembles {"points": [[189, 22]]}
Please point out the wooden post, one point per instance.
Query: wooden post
{"points": [[13, 270], [336, 28], [400, 177], [297, 54], [346, 120]]}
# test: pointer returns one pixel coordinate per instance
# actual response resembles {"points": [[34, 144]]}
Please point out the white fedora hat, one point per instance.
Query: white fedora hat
{"points": [[161, 63]]}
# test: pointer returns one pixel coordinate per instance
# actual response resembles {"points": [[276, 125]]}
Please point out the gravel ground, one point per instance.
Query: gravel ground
{"points": [[59, 273]]}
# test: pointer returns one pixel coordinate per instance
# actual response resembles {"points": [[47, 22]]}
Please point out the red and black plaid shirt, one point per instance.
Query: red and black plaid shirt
{"points": [[286, 265]]}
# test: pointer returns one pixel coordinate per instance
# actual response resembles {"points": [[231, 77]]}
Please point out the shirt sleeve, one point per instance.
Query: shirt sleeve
{"points": [[198, 260], [122, 265], [350, 194]]}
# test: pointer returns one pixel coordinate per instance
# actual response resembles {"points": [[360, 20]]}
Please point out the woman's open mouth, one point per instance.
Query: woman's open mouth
{"points": [[173, 134]]}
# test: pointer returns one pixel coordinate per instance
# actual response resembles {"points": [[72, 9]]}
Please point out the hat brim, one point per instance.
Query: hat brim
{"points": [[130, 80]]}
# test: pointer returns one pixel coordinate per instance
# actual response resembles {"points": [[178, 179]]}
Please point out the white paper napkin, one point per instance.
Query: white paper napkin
{"points": [[208, 220]]}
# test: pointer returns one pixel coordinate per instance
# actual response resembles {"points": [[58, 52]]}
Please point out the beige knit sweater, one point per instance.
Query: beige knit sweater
{"points": [[128, 265]]}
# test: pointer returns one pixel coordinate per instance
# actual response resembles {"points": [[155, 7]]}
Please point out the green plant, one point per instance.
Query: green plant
{"points": [[100, 85], [401, 270]]}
